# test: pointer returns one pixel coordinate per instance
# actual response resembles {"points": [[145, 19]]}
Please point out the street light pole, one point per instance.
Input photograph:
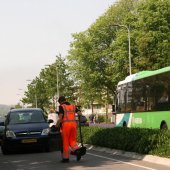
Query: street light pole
{"points": [[57, 84], [128, 29], [36, 103], [35, 100], [19, 94]]}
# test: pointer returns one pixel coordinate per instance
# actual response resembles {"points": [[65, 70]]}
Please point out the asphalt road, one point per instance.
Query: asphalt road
{"points": [[92, 160]]}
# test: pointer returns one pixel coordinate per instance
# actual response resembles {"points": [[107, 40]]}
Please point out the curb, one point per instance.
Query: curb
{"points": [[148, 158]]}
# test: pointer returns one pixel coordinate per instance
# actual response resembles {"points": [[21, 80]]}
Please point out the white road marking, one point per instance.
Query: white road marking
{"points": [[121, 161]]}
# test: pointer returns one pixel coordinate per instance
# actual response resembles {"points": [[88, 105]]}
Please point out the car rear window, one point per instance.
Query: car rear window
{"points": [[26, 116]]}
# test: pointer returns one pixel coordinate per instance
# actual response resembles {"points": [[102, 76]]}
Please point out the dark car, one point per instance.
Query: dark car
{"points": [[2, 127], [25, 128]]}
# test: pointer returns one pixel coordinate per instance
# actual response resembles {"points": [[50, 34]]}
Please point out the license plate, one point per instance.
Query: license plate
{"points": [[29, 140]]}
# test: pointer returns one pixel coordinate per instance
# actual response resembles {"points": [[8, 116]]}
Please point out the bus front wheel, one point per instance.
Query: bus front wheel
{"points": [[124, 124]]}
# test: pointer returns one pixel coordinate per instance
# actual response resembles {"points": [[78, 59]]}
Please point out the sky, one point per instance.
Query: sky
{"points": [[33, 32]]}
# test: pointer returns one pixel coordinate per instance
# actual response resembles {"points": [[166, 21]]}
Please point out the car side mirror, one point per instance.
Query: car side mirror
{"points": [[2, 124], [50, 121]]}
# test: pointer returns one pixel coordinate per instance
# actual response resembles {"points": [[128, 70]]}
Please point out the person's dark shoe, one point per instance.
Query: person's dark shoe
{"points": [[78, 157], [65, 160], [78, 154]]}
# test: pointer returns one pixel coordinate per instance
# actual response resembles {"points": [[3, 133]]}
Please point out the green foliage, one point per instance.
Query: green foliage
{"points": [[152, 35], [18, 106], [44, 87], [99, 57], [143, 141], [101, 118], [4, 109]]}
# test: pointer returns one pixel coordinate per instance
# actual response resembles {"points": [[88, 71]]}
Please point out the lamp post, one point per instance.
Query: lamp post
{"points": [[128, 29], [57, 84], [19, 103], [35, 95], [19, 94]]}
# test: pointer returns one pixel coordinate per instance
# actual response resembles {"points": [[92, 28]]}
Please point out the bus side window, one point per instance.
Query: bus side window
{"points": [[164, 97], [141, 107], [162, 103]]}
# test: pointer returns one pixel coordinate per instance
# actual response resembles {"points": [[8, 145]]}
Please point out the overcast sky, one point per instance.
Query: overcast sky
{"points": [[33, 32]]}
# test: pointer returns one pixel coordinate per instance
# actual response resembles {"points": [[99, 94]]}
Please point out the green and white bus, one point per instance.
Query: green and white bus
{"points": [[143, 100]]}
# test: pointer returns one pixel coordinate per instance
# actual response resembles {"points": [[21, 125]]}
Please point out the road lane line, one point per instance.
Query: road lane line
{"points": [[145, 167]]}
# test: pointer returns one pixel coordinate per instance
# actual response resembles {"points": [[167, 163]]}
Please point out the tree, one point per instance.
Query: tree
{"points": [[153, 35], [98, 57], [44, 87], [92, 59]]}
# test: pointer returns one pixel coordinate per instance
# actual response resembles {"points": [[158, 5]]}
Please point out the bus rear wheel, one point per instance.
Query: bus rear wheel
{"points": [[163, 126]]}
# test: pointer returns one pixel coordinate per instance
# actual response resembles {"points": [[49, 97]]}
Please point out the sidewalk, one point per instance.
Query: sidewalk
{"points": [[148, 158]]}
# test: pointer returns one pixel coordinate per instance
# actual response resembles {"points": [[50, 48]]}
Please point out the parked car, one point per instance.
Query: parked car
{"points": [[25, 128], [2, 127]]}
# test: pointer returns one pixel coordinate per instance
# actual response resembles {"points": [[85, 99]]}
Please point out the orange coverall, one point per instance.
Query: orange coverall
{"points": [[69, 130]]}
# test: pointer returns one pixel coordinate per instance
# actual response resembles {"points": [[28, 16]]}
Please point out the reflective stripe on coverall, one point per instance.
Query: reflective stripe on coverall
{"points": [[69, 130]]}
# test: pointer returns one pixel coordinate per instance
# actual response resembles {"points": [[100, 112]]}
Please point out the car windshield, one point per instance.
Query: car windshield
{"points": [[26, 116]]}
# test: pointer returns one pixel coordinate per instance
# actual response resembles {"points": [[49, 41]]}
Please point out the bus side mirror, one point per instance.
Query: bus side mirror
{"points": [[2, 123]]}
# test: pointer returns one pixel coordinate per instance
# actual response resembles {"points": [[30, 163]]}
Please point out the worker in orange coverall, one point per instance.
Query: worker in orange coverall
{"points": [[67, 119]]}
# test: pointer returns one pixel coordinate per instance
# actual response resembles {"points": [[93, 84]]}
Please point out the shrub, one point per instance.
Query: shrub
{"points": [[143, 141], [100, 118]]}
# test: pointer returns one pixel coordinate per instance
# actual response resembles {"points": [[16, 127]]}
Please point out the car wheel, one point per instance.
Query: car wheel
{"points": [[46, 148]]}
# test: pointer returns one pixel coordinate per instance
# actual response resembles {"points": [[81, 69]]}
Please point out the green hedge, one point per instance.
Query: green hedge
{"points": [[143, 141]]}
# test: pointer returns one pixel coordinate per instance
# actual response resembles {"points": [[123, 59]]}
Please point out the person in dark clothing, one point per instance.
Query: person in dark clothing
{"points": [[91, 117]]}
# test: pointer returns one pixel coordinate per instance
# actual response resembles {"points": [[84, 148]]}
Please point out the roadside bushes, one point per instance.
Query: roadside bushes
{"points": [[100, 119], [143, 141]]}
